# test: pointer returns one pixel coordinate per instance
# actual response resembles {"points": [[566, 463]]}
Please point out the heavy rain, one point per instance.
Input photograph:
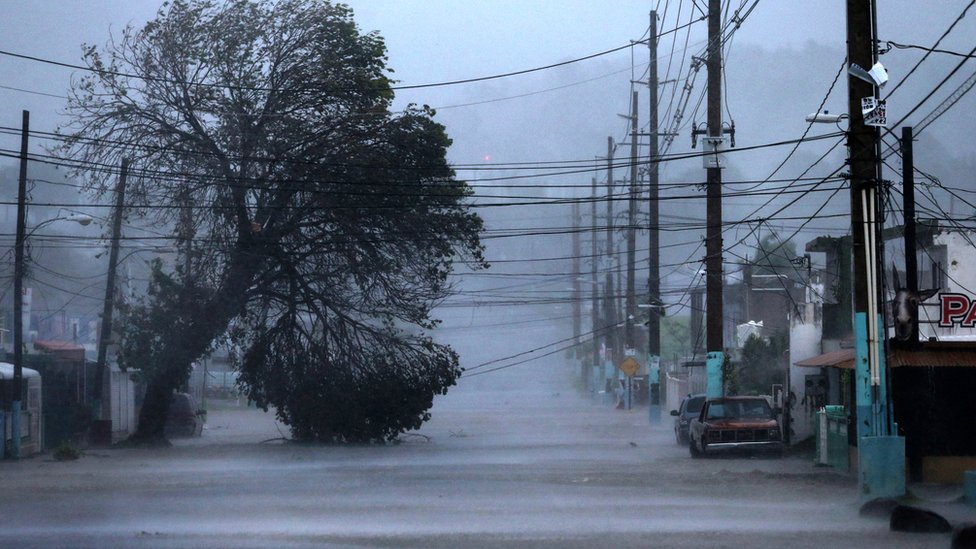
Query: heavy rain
{"points": [[300, 273]]}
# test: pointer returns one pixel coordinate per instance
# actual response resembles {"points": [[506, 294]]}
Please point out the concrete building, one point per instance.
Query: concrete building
{"points": [[932, 380]]}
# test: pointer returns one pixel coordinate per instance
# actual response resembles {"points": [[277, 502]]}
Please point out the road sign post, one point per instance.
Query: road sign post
{"points": [[629, 367]]}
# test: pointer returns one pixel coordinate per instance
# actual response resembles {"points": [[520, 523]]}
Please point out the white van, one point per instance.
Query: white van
{"points": [[31, 441]]}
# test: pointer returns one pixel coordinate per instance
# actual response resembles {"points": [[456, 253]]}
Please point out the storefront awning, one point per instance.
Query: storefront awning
{"points": [[937, 354], [62, 350], [844, 359]]}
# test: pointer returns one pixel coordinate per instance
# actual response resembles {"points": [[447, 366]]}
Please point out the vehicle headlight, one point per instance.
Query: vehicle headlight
{"points": [[774, 433]]}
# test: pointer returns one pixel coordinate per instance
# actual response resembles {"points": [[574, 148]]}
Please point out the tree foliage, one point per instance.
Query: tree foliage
{"points": [[730, 376], [774, 255], [323, 227], [764, 362]]}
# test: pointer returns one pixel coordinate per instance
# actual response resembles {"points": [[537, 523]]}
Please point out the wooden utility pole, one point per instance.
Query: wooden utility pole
{"points": [[715, 341], [631, 297], [881, 456], [594, 280], [103, 410], [577, 301], [653, 234], [609, 297], [861, 142], [18, 377], [187, 233], [911, 241]]}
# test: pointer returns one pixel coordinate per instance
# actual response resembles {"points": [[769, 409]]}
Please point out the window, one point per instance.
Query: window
{"points": [[34, 398]]}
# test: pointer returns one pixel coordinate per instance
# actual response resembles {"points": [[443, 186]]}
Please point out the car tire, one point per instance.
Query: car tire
{"points": [[693, 449], [677, 438]]}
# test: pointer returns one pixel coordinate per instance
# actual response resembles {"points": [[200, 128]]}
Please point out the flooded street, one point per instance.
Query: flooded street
{"points": [[493, 468]]}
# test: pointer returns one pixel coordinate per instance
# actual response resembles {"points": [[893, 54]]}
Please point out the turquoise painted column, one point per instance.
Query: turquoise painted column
{"points": [[881, 467], [885, 426], [713, 374], [653, 388], [862, 378], [596, 379], [969, 487], [15, 433], [881, 455]]}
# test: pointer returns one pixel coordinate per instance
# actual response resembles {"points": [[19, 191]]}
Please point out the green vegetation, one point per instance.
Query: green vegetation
{"points": [[763, 363], [66, 452], [318, 227]]}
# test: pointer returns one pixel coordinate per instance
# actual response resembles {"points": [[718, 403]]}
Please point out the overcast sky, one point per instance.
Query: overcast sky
{"points": [[780, 65], [439, 40]]}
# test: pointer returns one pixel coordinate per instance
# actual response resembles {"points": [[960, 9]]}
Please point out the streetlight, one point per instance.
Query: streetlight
{"points": [[17, 385], [825, 118]]}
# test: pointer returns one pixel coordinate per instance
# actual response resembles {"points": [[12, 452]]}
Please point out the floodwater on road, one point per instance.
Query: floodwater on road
{"points": [[493, 468]]}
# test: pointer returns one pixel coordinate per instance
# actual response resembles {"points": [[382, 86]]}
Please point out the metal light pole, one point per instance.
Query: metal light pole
{"points": [[19, 267], [19, 270], [20, 262]]}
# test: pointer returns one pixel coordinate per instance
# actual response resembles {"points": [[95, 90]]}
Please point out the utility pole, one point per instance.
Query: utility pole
{"points": [[610, 299], [577, 302], [653, 238], [103, 413], [631, 297], [595, 313], [911, 264], [715, 342], [187, 233], [881, 455], [18, 377], [911, 241]]}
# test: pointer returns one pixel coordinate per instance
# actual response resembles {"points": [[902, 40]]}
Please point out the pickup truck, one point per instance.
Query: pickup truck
{"points": [[735, 423]]}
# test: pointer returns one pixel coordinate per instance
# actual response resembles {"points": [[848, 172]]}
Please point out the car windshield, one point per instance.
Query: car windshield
{"points": [[738, 409], [695, 405]]}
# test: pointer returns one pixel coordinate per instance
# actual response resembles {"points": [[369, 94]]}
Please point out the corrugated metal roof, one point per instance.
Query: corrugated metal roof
{"points": [[843, 358], [62, 350], [50, 345], [964, 358], [932, 354]]}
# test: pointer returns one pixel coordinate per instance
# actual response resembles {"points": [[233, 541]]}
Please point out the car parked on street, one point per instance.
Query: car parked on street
{"points": [[689, 409], [185, 418], [745, 423]]}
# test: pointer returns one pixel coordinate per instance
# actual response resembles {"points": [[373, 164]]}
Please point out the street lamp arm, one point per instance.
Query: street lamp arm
{"points": [[82, 219]]}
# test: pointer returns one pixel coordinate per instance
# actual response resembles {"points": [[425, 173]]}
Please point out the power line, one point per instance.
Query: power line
{"points": [[172, 176], [153, 79], [934, 46], [930, 50]]}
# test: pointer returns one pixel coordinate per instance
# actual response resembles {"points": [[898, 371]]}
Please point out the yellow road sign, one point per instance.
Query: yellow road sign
{"points": [[629, 366]]}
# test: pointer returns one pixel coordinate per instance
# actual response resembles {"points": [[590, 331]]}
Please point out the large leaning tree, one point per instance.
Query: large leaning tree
{"points": [[319, 227]]}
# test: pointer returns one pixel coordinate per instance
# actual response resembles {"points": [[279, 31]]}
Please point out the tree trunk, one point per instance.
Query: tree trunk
{"points": [[152, 417], [205, 320]]}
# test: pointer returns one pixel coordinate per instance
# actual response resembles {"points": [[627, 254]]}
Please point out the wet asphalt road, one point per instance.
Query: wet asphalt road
{"points": [[492, 469]]}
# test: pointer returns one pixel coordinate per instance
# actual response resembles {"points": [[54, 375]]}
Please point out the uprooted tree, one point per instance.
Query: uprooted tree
{"points": [[318, 227]]}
